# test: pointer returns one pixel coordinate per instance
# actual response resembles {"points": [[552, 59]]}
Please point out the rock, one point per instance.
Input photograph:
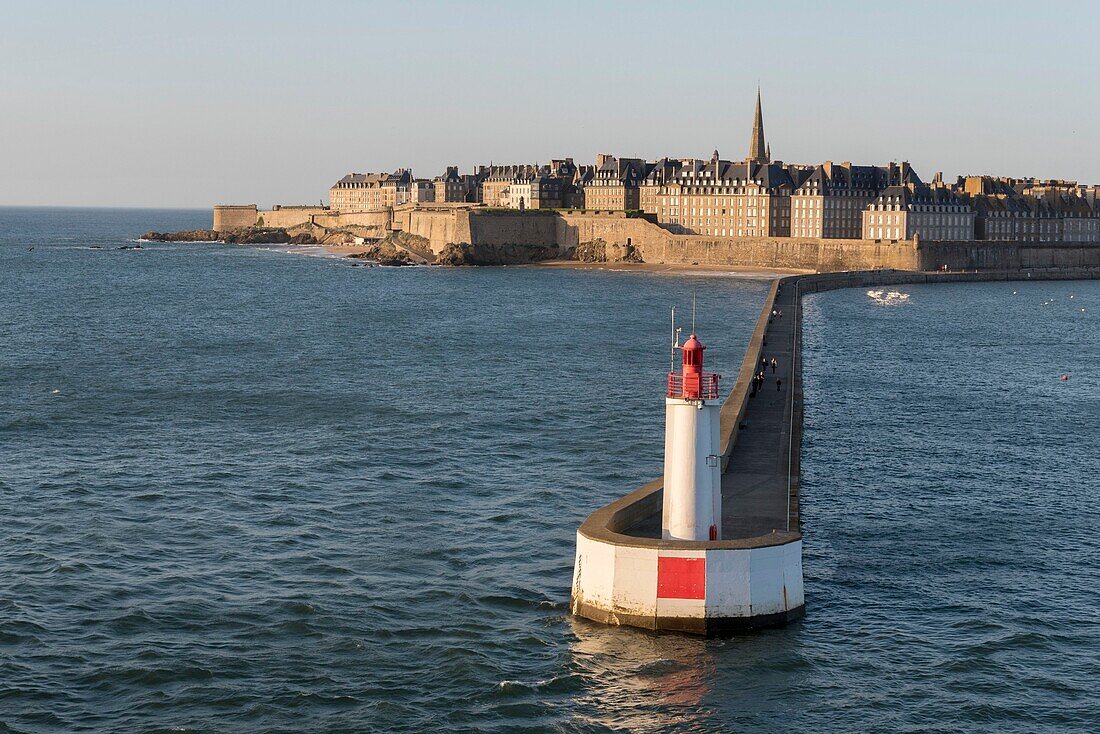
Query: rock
{"points": [[246, 236], [187, 235], [463, 253], [598, 251], [590, 252], [338, 237], [258, 236], [384, 253], [130, 247]]}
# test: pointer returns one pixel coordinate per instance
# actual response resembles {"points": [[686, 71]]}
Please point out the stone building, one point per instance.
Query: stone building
{"points": [[529, 187], [1074, 206], [573, 197], [614, 185], [905, 211], [658, 174], [1025, 210], [496, 181], [370, 191], [453, 186], [1001, 211], [751, 198], [830, 202], [535, 190], [726, 199], [421, 191]]}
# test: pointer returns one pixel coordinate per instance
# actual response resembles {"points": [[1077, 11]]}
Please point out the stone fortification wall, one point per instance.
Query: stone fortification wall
{"points": [[657, 245], [539, 229], [1008, 255], [234, 216], [631, 237], [379, 220], [229, 217], [783, 253], [287, 217], [440, 226]]}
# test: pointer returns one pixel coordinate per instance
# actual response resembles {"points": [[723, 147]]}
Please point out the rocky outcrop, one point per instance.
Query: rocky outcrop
{"points": [[420, 248], [384, 253], [259, 236], [187, 235], [598, 251], [246, 236], [463, 253]]}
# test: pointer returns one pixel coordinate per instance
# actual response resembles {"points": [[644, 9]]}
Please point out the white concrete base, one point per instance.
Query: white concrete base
{"points": [[706, 590]]}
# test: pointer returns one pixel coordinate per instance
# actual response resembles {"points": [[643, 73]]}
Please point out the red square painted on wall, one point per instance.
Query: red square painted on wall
{"points": [[681, 578]]}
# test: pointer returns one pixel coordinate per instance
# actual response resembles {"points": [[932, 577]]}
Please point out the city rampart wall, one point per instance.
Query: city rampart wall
{"points": [[440, 226], [539, 229], [566, 229], [1000, 256], [291, 216], [234, 216], [657, 245], [230, 217]]}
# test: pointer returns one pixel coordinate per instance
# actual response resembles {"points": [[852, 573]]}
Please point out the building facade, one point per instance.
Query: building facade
{"points": [[909, 211], [830, 202], [615, 184], [725, 199], [371, 191]]}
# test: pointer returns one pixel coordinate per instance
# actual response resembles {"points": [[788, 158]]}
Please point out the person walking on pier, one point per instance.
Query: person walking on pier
{"points": [[778, 384], [774, 365]]}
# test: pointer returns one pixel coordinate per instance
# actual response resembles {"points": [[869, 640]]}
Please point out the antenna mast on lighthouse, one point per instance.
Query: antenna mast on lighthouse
{"points": [[672, 344], [694, 293]]}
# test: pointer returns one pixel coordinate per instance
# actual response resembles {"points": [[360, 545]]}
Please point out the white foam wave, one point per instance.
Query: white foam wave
{"points": [[888, 298]]}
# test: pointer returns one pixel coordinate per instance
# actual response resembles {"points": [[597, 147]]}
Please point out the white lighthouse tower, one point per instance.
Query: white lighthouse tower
{"points": [[692, 507]]}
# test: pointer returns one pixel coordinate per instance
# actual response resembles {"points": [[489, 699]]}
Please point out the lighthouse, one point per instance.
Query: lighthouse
{"points": [[692, 508]]}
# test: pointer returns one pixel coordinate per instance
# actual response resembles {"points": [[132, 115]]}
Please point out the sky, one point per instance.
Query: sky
{"points": [[187, 103]]}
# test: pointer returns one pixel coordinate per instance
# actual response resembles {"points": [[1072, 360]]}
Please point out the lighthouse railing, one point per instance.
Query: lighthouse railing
{"points": [[708, 385]]}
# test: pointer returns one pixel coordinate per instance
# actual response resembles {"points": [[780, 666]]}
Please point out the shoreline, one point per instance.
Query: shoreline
{"points": [[741, 270], [343, 251]]}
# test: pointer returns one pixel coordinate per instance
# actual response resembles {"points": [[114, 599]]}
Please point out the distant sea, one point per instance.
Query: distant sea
{"points": [[250, 491]]}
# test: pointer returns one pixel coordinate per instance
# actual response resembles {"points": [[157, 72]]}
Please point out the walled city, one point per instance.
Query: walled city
{"points": [[752, 211]]}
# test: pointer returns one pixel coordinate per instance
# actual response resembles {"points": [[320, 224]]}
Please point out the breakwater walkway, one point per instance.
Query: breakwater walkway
{"points": [[752, 577], [759, 479]]}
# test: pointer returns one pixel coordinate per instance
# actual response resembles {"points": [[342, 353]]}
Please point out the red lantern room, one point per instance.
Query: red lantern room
{"points": [[691, 383]]}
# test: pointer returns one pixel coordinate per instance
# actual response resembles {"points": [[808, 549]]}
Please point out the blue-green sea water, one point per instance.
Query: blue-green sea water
{"points": [[246, 490]]}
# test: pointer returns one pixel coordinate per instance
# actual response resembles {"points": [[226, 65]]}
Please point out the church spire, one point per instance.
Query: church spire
{"points": [[758, 149]]}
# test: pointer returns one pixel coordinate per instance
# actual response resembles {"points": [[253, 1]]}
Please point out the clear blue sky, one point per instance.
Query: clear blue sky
{"points": [[187, 103]]}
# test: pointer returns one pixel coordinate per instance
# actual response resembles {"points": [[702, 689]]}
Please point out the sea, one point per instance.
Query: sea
{"points": [[245, 489]]}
